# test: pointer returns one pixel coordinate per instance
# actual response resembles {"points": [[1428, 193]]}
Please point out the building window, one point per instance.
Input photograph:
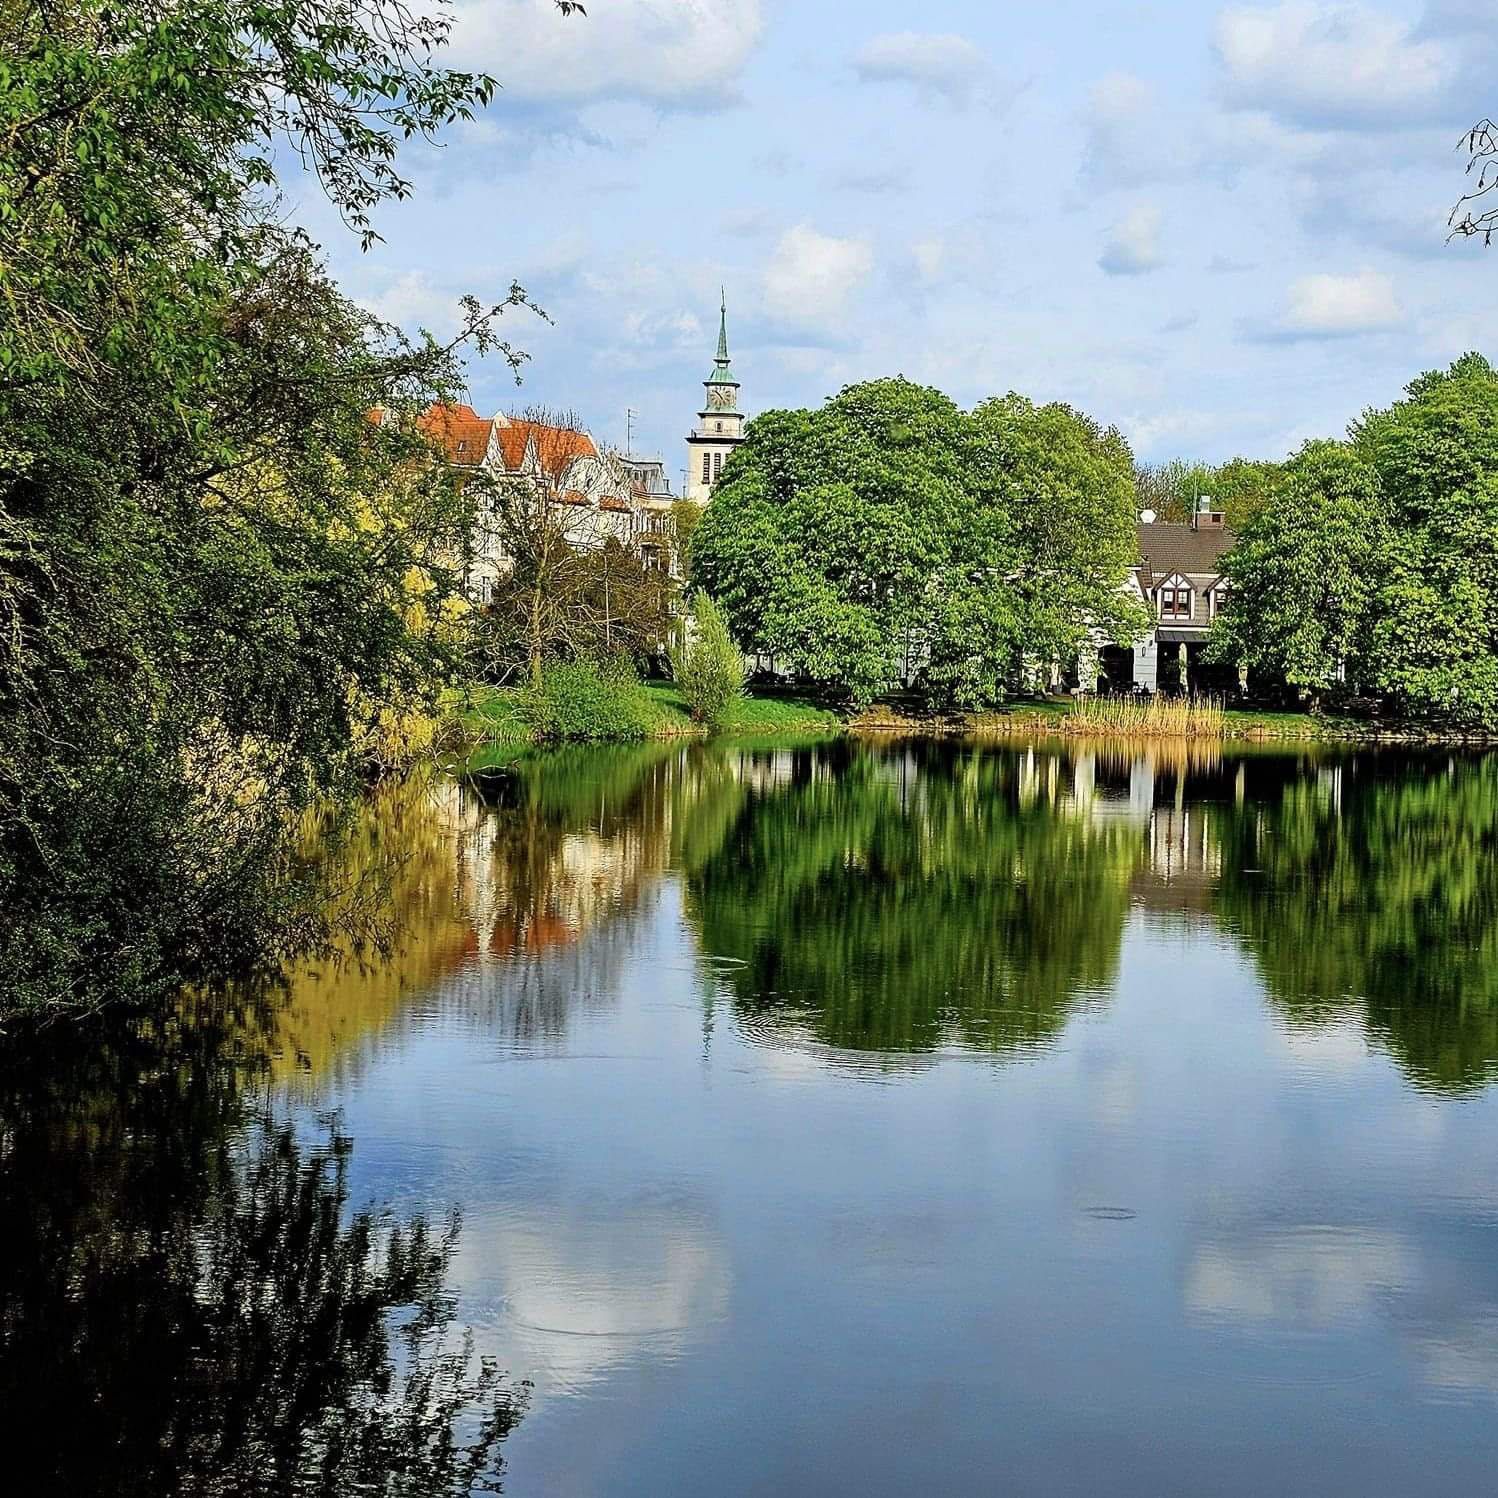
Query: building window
{"points": [[707, 468], [1175, 603], [720, 426], [717, 466], [1215, 600]]}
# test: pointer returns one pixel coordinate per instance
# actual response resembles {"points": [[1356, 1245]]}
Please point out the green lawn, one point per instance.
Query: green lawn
{"points": [[492, 715]]}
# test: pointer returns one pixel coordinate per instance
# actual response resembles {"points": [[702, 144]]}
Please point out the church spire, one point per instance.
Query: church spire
{"points": [[722, 372]]}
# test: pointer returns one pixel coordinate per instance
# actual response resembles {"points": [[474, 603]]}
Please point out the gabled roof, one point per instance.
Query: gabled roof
{"points": [[556, 447], [461, 433], [463, 436], [1194, 552]]}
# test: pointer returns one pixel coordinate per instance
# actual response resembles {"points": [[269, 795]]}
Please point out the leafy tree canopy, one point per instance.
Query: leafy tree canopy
{"points": [[217, 575], [1380, 556], [891, 537]]}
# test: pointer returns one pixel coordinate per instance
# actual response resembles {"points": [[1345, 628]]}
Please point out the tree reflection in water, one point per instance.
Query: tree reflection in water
{"points": [[891, 898], [187, 1303], [1371, 887]]}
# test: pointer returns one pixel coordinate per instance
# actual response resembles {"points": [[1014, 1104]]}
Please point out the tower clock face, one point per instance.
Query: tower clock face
{"points": [[719, 397]]}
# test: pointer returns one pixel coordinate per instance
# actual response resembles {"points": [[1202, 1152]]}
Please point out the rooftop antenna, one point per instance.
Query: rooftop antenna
{"points": [[629, 431]]}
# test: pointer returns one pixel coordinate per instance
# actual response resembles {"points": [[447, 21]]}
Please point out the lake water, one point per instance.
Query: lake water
{"points": [[869, 1118]]}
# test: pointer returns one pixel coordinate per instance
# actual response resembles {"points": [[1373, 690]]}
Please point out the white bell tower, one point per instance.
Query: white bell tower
{"points": [[720, 424]]}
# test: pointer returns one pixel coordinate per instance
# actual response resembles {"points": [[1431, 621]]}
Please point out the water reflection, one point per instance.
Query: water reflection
{"points": [[188, 1305], [1232, 1188], [901, 898], [580, 1287], [1371, 888]]}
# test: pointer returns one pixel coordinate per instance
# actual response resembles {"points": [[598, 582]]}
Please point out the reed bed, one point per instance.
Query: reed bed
{"points": [[1152, 718]]}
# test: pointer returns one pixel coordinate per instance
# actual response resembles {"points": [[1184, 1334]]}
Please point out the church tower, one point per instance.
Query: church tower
{"points": [[720, 424]]}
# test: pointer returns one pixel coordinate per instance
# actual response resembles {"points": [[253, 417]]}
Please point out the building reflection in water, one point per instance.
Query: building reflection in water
{"points": [[893, 898]]}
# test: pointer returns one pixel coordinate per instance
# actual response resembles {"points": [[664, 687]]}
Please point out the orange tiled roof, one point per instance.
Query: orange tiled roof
{"points": [[461, 433], [613, 502], [556, 447], [573, 497]]}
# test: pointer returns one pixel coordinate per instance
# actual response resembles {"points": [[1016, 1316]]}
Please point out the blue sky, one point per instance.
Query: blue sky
{"points": [[1220, 227]]}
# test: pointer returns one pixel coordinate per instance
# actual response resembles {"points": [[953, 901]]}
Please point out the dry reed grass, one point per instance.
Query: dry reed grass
{"points": [[1151, 718]]}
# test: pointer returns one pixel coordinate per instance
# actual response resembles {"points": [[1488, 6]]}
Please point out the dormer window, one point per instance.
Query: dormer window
{"points": [[1174, 602], [463, 446]]}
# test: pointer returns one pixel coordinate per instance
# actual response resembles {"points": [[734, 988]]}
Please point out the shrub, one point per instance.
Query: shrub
{"points": [[707, 665], [587, 701]]}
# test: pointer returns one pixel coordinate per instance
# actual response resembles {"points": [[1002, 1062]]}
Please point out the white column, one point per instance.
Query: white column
{"points": [[1147, 663]]}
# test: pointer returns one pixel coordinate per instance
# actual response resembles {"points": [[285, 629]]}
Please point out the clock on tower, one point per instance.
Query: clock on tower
{"points": [[720, 428]]}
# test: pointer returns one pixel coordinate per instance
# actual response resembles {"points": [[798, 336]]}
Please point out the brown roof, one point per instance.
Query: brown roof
{"points": [[461, 433], [613, 502], [1165, 548]]}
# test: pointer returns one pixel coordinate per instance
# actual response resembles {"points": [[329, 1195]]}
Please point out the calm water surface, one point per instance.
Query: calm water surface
{"points": [[869, 1119]]}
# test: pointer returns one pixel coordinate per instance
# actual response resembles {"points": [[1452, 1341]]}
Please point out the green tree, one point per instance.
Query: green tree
{"points": [[686, 514], [1171, 490], [707, 665], [1038, 559], [1434, 646], [1303, 572], [890, 537], [215, 571], [1241, 487], [822, 537]]}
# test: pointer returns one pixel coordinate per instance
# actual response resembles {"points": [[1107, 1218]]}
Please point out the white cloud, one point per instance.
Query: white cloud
{"points": [[946, 65], [1333, 66], [930, 255], [1128, 138], [1134, 247], [675, 52], [411, 301], [1328, 306], [664, 329], [811, 275]]}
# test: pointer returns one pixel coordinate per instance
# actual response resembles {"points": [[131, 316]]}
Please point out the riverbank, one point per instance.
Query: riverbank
{"points": [[497, 716], [1237, 725]]}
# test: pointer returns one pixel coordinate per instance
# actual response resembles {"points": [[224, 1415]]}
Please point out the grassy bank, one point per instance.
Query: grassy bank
{"points": [[488, 715], [503, 715]]}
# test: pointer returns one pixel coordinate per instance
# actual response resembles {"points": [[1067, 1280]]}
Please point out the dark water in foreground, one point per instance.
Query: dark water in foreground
{"points": [[843, 1119]]}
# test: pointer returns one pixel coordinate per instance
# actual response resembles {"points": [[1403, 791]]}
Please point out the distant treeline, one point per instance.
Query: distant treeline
{"points": [[891, 540]]}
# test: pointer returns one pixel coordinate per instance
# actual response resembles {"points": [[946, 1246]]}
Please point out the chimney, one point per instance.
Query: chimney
{"points": [[1206, 518]]}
